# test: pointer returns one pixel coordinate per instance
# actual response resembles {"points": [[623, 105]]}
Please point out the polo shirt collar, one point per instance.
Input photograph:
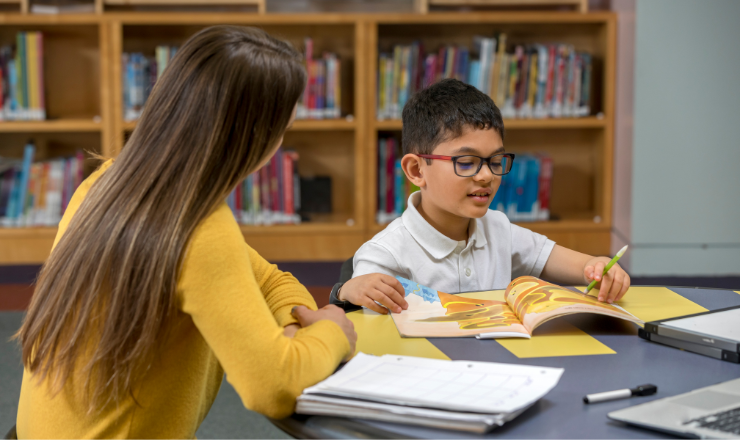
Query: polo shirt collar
{"points": [[437, 244]]}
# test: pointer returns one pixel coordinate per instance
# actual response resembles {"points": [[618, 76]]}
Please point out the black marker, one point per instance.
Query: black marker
{"points": [[642, 390]]}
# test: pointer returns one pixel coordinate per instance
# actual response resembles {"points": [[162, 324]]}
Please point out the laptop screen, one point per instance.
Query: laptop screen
{"points": [[720, 324]]}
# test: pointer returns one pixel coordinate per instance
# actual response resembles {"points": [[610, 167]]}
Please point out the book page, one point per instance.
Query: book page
{"points": [[438, 314], [478, 387], [536, 301]]}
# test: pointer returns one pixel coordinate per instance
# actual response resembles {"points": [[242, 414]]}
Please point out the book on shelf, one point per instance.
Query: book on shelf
{"points": [[140, 73], [22, 96], [527, 303], [270, 195], [394, 188], [37, 193], [524, 193], [525, 81], [322, 98], [456, 395]]}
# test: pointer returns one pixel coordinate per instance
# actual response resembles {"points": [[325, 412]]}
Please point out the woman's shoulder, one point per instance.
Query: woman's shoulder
{"points": [[216, 236]]}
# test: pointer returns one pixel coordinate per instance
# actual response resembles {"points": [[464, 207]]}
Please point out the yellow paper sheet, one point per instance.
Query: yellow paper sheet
{"points": [[655, 303], [377, 335], [738, 292], [556, 338]]}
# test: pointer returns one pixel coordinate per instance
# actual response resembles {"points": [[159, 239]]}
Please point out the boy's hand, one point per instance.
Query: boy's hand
{"points": [[613, 285], [366, 289]]}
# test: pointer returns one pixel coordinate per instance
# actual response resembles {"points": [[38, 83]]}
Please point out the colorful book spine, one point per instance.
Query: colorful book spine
{"points": [[37, 193], [530, 81], [271, 195], [22, 79], [393, 187], [524, 193], [322, 97]]}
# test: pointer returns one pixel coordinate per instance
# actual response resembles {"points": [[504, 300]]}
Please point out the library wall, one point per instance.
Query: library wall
{"points": [[685, 210]]}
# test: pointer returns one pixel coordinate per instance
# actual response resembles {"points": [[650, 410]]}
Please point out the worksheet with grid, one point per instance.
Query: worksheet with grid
{"points": [[483, 387]]}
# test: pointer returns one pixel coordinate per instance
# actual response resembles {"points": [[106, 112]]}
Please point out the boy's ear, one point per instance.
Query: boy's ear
{"points": [[412, 166]]}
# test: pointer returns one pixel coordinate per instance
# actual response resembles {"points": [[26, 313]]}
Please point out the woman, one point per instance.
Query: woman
{"points": [[150, 293]]}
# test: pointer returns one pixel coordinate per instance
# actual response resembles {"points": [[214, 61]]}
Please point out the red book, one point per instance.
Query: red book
{"points": [[440, 69], [390, 174], [560, 86], [288, 158], [545, 186], [65, 184], [550, 76], [310, 86], [274, 202], [80, 156]]}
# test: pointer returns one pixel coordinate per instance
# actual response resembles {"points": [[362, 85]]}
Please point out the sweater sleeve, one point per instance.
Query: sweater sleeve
{"points": [[219, 289], [281, 290]]}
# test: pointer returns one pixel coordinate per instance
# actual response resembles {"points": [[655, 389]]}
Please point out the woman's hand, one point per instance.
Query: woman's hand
{"points": [[306, 317]]}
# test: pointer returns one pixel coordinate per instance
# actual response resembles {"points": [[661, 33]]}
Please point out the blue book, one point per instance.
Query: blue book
{"points": [[499, 199], [517, 178], [474, 74], [13, 86], [400, 188], [463, 61], [12, 211], [20, 206], [381, 175], [23, 72], [527, 209]]}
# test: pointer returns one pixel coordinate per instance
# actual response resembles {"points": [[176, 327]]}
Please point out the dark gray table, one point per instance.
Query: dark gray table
{"points": [[562, 413]]}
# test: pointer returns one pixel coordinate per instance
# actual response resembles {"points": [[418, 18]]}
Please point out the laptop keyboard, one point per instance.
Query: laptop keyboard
{"points": [[725, 421]]}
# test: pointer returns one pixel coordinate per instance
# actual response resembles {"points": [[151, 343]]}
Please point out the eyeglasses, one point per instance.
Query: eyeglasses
{"points": [[469, 166]]}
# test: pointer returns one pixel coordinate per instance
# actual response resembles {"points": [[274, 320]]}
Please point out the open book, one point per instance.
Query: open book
{"points": [[528, 302]]}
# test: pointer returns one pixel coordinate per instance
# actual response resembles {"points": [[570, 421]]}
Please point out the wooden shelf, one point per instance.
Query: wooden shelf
{"points": [[520, 124], [298, 125], [50, 126], [184, 2], [346, 150]]}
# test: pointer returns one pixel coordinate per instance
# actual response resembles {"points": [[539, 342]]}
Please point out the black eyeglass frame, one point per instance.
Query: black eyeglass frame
{"points": [[483, 160]]}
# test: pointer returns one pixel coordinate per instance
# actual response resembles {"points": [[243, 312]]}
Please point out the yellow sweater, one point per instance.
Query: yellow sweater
{"points": [[233, 306]]}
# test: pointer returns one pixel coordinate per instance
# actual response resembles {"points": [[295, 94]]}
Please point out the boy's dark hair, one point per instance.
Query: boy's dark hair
{"points": [[442, 111]]}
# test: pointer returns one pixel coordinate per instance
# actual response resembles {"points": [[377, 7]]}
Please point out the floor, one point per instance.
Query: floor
{"points": [[228, 418]]}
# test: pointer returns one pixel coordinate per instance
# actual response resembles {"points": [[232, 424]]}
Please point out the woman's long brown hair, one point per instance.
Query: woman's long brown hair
{"points": [[106, 295]]}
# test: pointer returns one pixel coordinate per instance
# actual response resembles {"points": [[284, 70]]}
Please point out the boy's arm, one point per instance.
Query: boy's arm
{"points": [[569, 267], [373, 281]]}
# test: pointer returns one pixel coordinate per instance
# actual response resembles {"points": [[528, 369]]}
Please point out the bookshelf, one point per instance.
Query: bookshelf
{"points": [[581, 148], [85, 110]]}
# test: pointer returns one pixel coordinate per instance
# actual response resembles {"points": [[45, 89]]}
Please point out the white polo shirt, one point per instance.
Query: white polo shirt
{"points": [[496, 252]]}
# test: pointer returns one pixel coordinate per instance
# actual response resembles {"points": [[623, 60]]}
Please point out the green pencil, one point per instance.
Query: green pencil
{"points": [[608, 266]]}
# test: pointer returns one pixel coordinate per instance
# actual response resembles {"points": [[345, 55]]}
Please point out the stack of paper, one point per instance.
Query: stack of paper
{"points": [[460, 395]]}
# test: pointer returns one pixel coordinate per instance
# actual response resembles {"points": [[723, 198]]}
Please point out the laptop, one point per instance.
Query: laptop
{"points": [[714, 333], [710, 412]]}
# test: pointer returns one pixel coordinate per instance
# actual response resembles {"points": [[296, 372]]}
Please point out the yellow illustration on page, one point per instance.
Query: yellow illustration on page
{"points": [[532, 295], [474, 313]]}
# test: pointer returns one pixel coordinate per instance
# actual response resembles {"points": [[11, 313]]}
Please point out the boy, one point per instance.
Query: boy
{"points": [[447, 238]]}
